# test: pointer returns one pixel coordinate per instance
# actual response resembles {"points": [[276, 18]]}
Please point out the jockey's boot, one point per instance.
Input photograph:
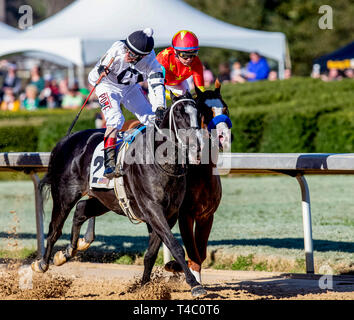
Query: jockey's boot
{"points": [[109, 157], [109, 162]]}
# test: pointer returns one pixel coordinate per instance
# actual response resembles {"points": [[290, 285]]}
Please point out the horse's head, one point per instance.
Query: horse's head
{"points": [[183, 120], [215, 115]]}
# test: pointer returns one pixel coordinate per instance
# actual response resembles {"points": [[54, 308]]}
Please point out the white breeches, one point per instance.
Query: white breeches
{"points": [[132, 97]]}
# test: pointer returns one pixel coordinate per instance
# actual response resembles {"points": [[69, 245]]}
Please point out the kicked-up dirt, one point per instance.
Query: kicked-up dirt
{"points": [[95, 281]]}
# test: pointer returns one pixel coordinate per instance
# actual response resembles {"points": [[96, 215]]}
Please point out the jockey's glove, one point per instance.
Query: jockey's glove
{"points": [[160, 111], [103, 69]]}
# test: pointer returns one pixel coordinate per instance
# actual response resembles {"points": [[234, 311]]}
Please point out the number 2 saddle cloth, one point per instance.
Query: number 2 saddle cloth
{"points": [[124, 139]]}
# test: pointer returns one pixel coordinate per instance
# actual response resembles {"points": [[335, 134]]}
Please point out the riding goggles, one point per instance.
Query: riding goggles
{"points": [[187, 54], [134, 55]]}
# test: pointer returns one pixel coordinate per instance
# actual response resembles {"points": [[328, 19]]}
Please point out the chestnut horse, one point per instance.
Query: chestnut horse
{"points": [[204, 188]]}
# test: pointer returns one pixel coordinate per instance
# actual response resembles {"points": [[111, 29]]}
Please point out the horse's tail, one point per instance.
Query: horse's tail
{"points": [[46, 182], [44, 187], [58, 160]]}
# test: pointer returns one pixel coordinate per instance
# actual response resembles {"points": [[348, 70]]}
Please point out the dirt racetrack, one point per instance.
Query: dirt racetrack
{"points": [[94, 281]]}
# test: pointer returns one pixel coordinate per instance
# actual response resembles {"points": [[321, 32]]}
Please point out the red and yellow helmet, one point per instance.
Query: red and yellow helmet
{"points": [[185, 40]]}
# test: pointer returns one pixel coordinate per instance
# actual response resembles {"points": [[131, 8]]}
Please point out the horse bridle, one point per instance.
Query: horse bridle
{"points": [[172, 121], [218, 119]]}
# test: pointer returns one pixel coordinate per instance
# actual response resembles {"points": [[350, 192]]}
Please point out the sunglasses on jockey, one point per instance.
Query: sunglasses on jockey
{"points": [[133, 55], [187, 54]]}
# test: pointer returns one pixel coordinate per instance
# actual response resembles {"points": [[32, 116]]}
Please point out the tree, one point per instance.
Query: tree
{"points": [[298, 19], [3, 11]]}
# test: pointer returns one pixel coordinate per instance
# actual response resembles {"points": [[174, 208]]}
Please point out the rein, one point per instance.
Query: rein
{"points": [[172, 121]]}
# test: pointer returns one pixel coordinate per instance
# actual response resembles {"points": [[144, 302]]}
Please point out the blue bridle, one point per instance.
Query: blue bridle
{"points": [[218, 119]]}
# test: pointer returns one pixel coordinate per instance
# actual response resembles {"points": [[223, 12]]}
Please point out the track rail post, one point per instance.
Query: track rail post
{"points": [[39, 215], [307, 224]]}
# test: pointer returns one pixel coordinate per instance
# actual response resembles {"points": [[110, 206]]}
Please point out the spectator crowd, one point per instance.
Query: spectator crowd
{"points": [[258, 69], [37, 92], [255, 70], [333, 74]]}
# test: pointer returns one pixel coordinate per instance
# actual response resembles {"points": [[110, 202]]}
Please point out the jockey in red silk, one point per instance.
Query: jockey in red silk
{"points": [[181, 61]]}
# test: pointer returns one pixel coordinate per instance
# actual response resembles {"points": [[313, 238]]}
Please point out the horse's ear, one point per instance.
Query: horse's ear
{"points": [[189, 95], [217, 85], [172, 96], [198, 91]]}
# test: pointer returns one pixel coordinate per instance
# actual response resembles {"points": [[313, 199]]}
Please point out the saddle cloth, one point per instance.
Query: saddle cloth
{"points": [[97, 180]]}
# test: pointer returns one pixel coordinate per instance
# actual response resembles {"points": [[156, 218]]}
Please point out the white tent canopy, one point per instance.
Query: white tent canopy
{"points": [[7, 31], [84, 30]]}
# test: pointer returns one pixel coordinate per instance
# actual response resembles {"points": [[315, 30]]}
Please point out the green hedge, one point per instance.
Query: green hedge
{"points": [[291, 115], [336, 132], [295, 115], [41, 130], [57, 127], [37, 130], [20, 139]]}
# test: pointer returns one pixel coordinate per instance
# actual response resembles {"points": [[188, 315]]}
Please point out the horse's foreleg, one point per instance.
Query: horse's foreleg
{"points": [[85, 209], [153, 250], [161, 227], [151, 254], [186, 224], [202, 232], [201, 236], [85, 242]]}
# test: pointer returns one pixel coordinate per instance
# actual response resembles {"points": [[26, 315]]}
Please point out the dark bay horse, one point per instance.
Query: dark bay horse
{"points": [[204, 190], [155, 191]]}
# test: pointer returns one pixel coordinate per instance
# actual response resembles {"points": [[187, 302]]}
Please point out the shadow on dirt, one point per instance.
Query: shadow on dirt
{"points": [[281, 287]]}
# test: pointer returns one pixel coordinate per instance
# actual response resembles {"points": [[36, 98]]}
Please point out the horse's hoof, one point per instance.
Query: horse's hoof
{"points": [[39, 266], [173, 266], [59, 258], [82, 245], [198, 291]]}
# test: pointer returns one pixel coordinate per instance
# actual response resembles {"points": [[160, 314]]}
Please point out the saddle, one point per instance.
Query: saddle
{"points": [[124, 139], [97, 180]]}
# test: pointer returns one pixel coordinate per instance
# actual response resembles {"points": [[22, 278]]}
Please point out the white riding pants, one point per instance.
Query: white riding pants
{"points": [[132, 97]]}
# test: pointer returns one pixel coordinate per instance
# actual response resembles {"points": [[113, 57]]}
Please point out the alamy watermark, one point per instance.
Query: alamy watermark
{"points": [[26, 19], [326, 20], [166, 147]]}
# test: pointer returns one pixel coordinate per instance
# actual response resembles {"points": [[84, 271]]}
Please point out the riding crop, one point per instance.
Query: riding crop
{"points": [[88, 97]]}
